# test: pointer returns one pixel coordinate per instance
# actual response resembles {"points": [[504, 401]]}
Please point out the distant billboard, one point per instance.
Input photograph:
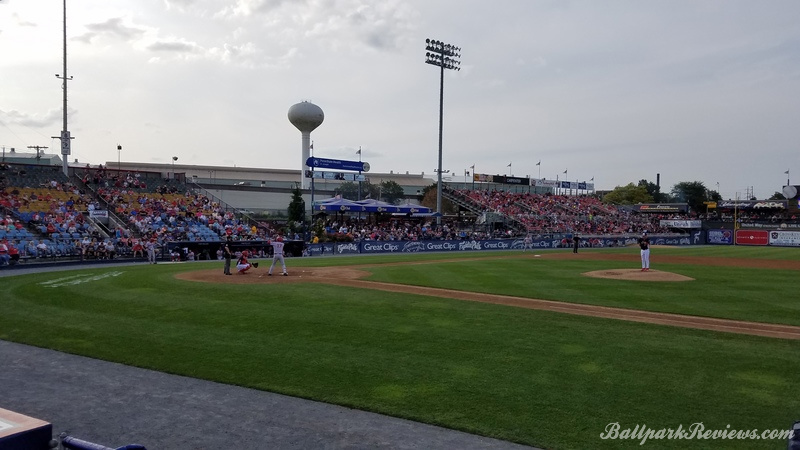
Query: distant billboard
{"points": [[751, 204], [661, 207], [501, 179]]}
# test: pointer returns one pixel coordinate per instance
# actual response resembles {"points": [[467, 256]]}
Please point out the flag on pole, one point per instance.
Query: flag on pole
{"points": [[472, 167], [787, 172], [565, 171], [539, 163], [359, 151], [509, 165], [592, 179]]}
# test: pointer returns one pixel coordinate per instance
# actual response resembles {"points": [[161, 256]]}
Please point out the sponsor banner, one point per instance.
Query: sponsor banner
{"points": [[770, 225], [346, 248], [661, 207], [337, 164], [321, 249], [784, 238], [681, 223], [580, 186], [720, 237], [695, 238], [342, 176], [752, 237], [501, 179], [545, 183], [752, 204], [518, 180], [98, 214]]}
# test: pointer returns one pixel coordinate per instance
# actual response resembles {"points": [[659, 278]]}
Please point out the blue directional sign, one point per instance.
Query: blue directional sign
{"points": [[337, 164]]}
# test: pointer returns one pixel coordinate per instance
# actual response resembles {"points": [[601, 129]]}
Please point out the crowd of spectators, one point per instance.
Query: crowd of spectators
{"points": [[349, 229], [547, 213]]}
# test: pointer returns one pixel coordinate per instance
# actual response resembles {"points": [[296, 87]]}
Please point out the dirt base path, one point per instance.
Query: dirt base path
{"points": [[350, 276]]}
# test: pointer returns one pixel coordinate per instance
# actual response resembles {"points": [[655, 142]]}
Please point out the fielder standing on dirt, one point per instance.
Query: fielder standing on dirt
{"points": [[277, 255], [644, 245]]}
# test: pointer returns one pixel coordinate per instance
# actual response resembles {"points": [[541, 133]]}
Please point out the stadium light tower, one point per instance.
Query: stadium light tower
{"points": [[444, 56], [65, 136]]}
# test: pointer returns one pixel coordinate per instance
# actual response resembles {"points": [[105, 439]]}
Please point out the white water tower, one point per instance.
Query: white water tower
{"points": [[306, 117]]}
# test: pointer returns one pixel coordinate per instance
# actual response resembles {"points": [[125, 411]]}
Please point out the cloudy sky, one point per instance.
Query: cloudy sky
{"points": [[696, 90]]}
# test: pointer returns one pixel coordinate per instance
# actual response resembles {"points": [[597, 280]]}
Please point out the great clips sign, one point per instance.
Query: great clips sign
{"points": [[752, 237]]}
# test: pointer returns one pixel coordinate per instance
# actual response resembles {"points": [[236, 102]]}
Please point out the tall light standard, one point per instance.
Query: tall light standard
{"points": [[444, 56], [119, 151], [65, 134]]}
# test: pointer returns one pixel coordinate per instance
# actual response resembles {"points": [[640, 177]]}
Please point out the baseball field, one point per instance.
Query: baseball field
{"points": [[510, 345]]}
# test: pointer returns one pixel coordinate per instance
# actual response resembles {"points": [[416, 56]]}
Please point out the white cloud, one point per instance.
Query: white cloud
{"points": [[45, 120], [615, 90]]}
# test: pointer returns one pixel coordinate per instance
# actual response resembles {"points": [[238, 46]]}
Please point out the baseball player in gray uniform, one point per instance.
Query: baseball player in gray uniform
{"points": [[277, 255]]}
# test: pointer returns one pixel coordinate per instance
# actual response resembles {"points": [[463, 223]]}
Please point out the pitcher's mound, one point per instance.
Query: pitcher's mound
{"points": [[637, 275]]}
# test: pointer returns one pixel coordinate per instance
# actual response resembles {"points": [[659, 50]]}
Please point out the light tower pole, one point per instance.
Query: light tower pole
{"points": [[65, 135], [444, 56]]}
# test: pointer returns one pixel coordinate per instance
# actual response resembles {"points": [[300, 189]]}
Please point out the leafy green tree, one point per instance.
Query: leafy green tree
{"points": [[692, 192], [429, 201], [777, 196], [655, 191], [297, 207], [349, 190], [628, 195], [391, 192]]}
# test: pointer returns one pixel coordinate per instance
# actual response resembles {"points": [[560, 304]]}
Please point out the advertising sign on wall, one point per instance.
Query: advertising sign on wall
{"points": [[720, 237], [681, 223], [752, 237], [537, 242], [784, 238]]}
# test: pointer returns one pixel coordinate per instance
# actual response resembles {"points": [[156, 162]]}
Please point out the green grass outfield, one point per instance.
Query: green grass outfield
{"points": [[534, 377]]}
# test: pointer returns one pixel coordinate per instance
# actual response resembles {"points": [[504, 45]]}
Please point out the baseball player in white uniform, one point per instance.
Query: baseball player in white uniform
{"points": [[277, 255]]}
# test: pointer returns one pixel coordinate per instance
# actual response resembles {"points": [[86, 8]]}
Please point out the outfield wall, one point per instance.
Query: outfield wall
{"points": [[384, 247], [778, 238]]}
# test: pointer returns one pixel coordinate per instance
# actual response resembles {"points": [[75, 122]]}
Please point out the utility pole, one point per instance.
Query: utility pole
{"points": [[37, 148]]}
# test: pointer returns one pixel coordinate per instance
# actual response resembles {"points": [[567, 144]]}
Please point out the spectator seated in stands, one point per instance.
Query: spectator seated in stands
{"points": [[5, 257], [42, 251]]}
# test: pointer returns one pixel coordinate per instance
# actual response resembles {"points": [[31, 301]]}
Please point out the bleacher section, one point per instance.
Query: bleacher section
{"points": [[102, 214]]}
